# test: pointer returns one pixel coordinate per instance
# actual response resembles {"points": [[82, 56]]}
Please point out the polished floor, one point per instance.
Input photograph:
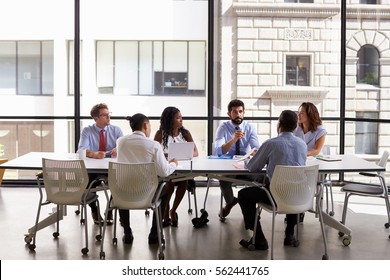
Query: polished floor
{"points": [[216, 241]]}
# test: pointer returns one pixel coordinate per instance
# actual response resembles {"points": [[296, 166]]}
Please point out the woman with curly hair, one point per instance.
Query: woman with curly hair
{"points": [[172, 130], [310, 128]]}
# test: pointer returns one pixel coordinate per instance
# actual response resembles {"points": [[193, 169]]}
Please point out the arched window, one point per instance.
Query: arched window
{"points": [[368, 65]]}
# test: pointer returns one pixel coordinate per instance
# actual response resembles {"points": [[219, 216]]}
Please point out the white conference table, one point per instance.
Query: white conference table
{"points": [[202, 167]]}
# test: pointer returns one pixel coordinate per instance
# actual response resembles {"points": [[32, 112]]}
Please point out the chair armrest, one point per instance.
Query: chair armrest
{"points": [[156, 197], [368, 174], [267, 192]]}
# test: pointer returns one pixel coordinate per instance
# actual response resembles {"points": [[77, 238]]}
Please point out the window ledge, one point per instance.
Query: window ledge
{"points": [[361, 86], [297, 93]]}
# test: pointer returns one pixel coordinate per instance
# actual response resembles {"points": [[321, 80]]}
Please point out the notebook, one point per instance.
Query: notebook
{"points": [[328, 158], [181, 151]]}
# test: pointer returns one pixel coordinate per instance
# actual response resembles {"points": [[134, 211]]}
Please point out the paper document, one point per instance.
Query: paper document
{"points": [[247, 156]]}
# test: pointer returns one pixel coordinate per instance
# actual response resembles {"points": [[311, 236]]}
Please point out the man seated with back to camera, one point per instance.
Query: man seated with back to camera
{"points": [[139, 148], [285, 149]]}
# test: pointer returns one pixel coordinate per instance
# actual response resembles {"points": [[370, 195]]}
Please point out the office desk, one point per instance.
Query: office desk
{"points": [[204, 167]]}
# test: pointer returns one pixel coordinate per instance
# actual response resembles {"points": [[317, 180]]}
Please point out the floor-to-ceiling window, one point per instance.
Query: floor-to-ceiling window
{"points": [[136, 56], [271, 54]]}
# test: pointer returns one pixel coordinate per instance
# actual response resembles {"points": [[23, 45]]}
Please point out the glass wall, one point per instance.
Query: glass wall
{"points": [[132, 57], [273, 55]]}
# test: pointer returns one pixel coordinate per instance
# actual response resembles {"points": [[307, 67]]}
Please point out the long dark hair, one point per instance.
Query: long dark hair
{"points": [[312, 114], [166, 125]]}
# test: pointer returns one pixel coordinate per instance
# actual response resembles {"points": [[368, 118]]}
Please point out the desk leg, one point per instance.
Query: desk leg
{"points": [[330, 221], [51, 219], [343, 230]]}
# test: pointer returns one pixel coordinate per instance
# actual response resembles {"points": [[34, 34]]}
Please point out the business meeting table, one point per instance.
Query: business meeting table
{"points": [[209, 167]]}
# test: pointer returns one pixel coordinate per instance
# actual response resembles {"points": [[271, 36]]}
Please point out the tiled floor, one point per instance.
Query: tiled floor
{"points": [[216, 241]]}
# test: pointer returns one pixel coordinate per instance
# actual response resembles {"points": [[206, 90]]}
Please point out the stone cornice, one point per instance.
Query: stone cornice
{"points": [[297, 93], [310, 10]]}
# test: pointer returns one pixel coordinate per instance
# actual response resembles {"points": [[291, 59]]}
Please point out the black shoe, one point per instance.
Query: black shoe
{"points": [[228, 207], [166, 223], [259, 244], [174, 222], [95, 217], [301, 217], [153, 238], [128, 238], [289, 240]]}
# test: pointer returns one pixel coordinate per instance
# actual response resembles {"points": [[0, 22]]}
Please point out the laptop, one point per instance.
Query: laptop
{"points": [[181, 151]]}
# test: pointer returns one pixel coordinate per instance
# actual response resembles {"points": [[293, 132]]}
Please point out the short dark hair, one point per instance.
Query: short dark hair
{"points": [[95, 111], [288, 121], [137, 121], [235, 103]]}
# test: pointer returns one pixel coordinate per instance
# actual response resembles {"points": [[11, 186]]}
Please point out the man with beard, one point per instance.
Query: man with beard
{"points": [[234, 137]]}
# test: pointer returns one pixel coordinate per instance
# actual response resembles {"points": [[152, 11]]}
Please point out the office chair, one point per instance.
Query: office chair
{"points": [[368, 190], [133, 186], [65, 183], [292, 191]]}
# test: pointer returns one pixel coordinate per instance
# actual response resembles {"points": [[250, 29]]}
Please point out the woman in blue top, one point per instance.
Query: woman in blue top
{"points": [[310, 128]]}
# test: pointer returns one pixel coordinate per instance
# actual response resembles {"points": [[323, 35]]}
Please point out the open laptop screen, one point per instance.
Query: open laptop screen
{"points": [[181, 151]]}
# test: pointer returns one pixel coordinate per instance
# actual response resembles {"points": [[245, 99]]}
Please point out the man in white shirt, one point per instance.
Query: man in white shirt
{"points": [[138, 147]]}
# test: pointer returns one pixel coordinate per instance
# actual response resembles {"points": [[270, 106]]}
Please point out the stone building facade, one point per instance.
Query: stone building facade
{"points": [[258, 39]]}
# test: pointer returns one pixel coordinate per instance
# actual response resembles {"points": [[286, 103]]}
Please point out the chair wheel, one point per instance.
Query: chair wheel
{"points": [[77, 212], [102, 255], [147, 212], [84, 251], [98, 237], [28, 239], [325, 257], [56, 234], [32, 247], [222, 219], [331, 213], [387, 225], [341, 234], [347, 240], [189, 211], [114, 241], [82, 221]]}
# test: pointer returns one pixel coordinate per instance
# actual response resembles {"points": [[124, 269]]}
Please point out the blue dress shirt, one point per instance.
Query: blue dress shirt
{"points": [[226, 131], [90, 137], [310, 137], [285, 149]]}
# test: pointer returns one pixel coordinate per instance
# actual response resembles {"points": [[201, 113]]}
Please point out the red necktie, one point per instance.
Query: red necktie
{"points": [[102, 142]]}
